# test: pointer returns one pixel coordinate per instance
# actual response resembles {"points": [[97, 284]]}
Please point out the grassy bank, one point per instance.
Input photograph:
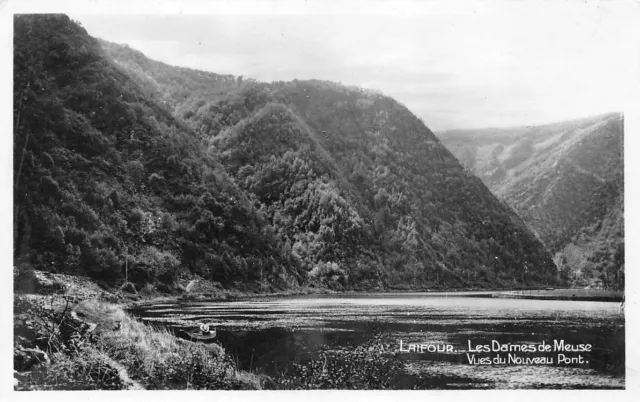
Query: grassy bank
{"points": [[96, 345], [159, 360], [61, 342], [71, 333]]}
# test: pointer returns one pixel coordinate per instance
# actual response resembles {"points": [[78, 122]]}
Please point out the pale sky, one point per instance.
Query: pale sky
{"points": [[478, 64]]}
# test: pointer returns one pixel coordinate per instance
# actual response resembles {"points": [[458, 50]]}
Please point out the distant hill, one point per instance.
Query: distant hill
{"points": [[176, 172], [565, 180]]}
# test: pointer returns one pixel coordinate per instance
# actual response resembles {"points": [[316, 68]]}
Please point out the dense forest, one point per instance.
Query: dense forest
{"points": [[104, 173], [566, 180], [127, 166]]}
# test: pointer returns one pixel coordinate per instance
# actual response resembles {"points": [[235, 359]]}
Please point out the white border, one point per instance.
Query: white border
{"points": [[291, 7]]}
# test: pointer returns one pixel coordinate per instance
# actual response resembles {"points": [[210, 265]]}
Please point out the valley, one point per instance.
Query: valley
{"points": [[566, 181]]}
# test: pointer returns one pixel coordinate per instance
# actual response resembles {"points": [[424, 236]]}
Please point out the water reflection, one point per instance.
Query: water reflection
{"points": [[266, 335]]}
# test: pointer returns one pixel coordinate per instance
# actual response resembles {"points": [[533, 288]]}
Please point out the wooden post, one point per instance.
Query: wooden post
{"points": [[17, 128], [126, 264]]}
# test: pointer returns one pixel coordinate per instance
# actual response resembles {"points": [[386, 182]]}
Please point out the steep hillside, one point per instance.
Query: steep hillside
{"points": [[362, 192], [106, 179], [566, 181]]}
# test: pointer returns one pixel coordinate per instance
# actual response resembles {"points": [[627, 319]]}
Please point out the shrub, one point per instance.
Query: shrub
{"points": [[135, 169], [24, 279], [329, 273], [169, 222], [152, 264], [83, 371], [155, 179], [101, 264], [158, 359]]}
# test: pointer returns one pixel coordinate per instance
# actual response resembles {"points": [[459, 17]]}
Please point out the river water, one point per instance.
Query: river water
{"points": [[432, 334]]}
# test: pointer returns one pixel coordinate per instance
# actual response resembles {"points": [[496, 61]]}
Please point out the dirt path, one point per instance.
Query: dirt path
{"points": [[127, 382]]}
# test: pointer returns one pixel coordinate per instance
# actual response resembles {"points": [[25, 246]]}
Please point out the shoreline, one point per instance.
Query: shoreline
{"points": [[610, 296], [82, 288]]}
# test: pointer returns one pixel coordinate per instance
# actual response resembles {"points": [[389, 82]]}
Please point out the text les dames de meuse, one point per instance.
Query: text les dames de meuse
{"points": [[557, 346]]}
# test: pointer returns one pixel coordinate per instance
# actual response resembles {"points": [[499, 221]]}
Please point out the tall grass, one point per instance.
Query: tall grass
{"points": [[122, 352], [158, 359]]}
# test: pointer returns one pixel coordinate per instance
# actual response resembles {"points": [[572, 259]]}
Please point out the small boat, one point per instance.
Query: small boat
{"points": [[194, 336], [205, 333]]}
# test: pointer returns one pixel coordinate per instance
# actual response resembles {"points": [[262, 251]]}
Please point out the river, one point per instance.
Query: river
{"points": [[431, 333]]}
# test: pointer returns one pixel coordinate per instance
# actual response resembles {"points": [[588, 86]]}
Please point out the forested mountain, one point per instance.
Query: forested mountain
{"points": [[240, 182], [330, 163], [566, 180], [104, 172]]}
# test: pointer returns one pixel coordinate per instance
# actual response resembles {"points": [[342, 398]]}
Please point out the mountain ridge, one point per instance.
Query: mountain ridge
{"points": [[318, 103], [243, 183]]}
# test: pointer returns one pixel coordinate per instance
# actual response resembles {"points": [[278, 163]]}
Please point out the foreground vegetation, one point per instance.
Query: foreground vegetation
{"points": [[68, 342], [94, 344], [122, 353], [118, 354], [366, 366]]}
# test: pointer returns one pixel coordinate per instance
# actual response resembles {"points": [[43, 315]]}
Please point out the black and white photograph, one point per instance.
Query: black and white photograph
{"points": [[305, 195]]}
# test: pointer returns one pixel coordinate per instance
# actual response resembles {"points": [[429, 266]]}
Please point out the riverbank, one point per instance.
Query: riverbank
{"points": [[236, 295], [72, 333], [69, 333]]}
